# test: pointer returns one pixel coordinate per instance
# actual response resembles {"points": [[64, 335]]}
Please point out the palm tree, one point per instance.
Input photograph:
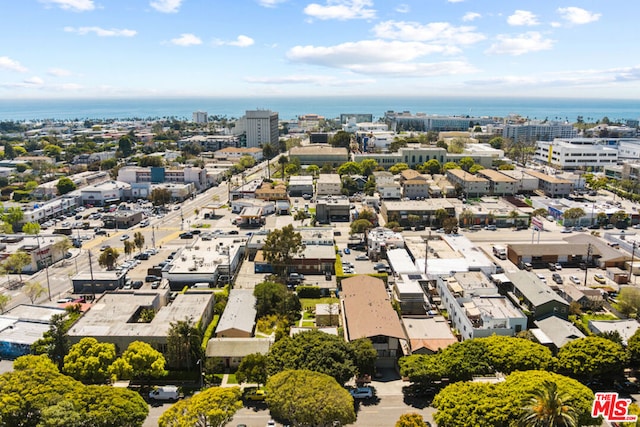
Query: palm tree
{"points": [[513, 215], [282, 161], [548, 408]]}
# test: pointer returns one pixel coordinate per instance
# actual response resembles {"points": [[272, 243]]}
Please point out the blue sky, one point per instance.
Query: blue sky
{"points": [[146, 48]]}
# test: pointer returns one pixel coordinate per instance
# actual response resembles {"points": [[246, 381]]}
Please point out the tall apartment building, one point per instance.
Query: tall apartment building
{"points": [[539, 131], [200, 117], [261, 127]]}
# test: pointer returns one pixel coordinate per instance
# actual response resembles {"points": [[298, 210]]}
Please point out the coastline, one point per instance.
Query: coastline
{"points": [[289, 108]]}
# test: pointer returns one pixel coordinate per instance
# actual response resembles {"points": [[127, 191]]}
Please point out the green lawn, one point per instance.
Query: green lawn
{"points": [[311, 302], [586, 317], [231, 379], [308, 323]]}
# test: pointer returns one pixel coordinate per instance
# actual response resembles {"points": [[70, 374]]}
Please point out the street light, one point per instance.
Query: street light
{"points": [[46, 266], [199, 362], [633, 252]]}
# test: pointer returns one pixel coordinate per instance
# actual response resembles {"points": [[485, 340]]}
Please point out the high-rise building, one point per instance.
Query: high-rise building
{"points": [[261, 127], [200, 117]]}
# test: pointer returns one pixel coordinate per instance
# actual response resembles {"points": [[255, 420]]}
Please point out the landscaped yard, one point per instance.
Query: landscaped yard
{"points": [[310, 303], [586, 317]]}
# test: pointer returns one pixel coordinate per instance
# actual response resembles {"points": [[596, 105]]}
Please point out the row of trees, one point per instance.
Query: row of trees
{"points": [[585, 359]]}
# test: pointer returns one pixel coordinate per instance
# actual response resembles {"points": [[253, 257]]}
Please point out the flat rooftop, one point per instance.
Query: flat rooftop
{"points": [[204, 256], [112, 314]]}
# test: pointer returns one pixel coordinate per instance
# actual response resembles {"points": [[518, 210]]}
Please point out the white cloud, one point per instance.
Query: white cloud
{"points": [[437, 32], [186, 40], [58, 72], [366, 52], [27, 83], [471, 16], [578, 16], [522, 18], [73, 5], [240, 41], [381, 57], [101, 32], [520, 44], [7, 63], [166, 6], [403, 8], [270, 3], [455, 1], [341, 10], [318, 80]]}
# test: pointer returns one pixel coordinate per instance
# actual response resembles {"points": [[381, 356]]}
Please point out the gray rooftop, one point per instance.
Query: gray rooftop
{"points": [[558, 330], [237, 347], [240, 312], [533, 289]]}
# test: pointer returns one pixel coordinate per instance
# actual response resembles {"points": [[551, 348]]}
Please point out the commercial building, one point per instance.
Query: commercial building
{"points": [[320, 155], [22, 326], [400, 211], [405, 121], [43, 251], [159, 175], [214, 262], [121, 219], [261, 127], [332, 209], [270, 192], [476, 309], [105, 193], [577, 153], [234, 154], [92, 282], [115, 317], [538, 131], [300, 184]]}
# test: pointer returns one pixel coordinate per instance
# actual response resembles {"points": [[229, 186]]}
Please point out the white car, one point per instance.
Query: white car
{"points": [[361, 393], [575, 280]]}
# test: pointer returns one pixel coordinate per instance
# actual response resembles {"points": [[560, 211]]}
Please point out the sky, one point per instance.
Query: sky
{"points": [[227, 48]]}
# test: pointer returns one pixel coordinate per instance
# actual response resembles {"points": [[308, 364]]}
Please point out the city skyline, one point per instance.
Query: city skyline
{"points": [[178, 48]]}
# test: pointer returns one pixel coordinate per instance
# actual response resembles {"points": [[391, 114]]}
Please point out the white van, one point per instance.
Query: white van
{"points": [[167, 392]]}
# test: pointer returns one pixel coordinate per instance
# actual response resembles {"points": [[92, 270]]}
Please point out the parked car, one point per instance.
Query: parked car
{"points": [[575, 280], [124, 237], [186, 235], [296, 276], [541, 277], [362, 258], [256, 395], [491, 227], [557, 278], [361, 393], [152, 278], [599, 278], [167, 392], [347, 251]]}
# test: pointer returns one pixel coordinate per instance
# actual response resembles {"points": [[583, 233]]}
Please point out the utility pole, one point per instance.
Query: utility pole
{"points": [[586, 264], [633, 252], [93, 289]]}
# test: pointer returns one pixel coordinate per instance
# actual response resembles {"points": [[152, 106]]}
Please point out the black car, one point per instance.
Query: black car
{"points": [[152, 278], [233, 232], [195, 232], [186, 235], [142, 256]]}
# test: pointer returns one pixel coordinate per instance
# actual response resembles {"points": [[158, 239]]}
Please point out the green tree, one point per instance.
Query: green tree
{"points": [[315, 351], [212, 407], [52, 150], [55, 342], [184, 347], [108, 258], [440, 215], [450, 165], [13, 216], [633, 348], [253, 369], [107, 406], [497, 142], [364, 356], [125, 145], [360, 226], [65, 185], [309, 398], [62, 246], [283, 161], [33, 290], [628, 301], [573, 214], [138, 240], [341, 139], [88, 361], [502, 404], [411, 420], [450, 225], [151, 161], [591, 357], [368, 166], [540, 212], [548, 408], [466, 163], [139, 360], [508, 354], [160, 196], [4, 301], [619, 218], [275, 298], [432, 166], [129, 247], [269, 151], [349, 168], [32, 228], [280, 247], [16, 262], [398, 167]]}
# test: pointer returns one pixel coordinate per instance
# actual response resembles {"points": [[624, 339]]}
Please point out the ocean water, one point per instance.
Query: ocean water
{"points": [[329, 107]]}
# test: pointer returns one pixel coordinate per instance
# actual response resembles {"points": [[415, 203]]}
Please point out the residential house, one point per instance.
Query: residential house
{"points": [[367, 313], [535, 297], [554, 332]]}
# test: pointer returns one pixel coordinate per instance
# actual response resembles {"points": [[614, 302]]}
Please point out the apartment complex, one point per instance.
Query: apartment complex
{"points": [[261, 127]]}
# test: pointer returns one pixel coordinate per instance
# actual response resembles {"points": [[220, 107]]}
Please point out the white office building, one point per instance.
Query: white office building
{"points": [[200, 117], [576, 153], [261, 127]]}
